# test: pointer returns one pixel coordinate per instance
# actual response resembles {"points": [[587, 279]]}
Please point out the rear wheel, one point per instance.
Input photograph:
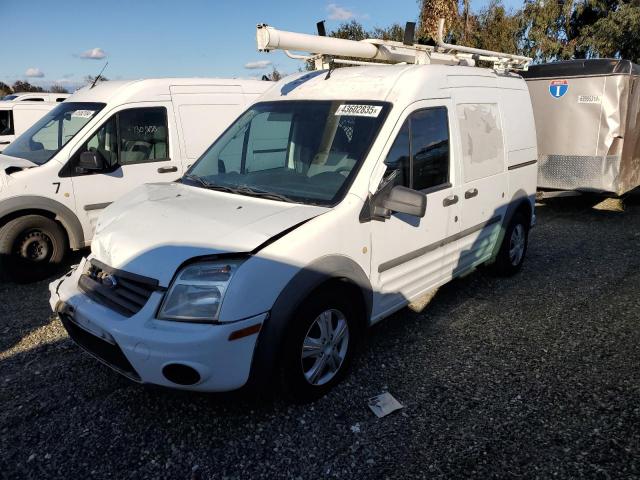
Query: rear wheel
{"points": [[319, 346], [514, 246], [30, 248]]}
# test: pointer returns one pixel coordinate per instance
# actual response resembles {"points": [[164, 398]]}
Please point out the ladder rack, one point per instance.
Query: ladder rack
{"points": [[325, 50]]}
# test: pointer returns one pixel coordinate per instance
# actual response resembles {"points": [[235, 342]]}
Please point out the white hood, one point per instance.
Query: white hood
{"points": [[157, 227], [6, 161]]}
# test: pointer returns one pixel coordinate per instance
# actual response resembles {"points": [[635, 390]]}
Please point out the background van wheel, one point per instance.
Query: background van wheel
{"points": [[319, 346], [31, 247], [514, 246]]}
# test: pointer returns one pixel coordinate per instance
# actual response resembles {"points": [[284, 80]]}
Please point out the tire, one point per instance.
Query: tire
{"points": [[31, 247], [305, 379], [514, 246]]}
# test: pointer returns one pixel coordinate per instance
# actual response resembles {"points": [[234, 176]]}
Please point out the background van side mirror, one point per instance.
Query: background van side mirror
{"points": [[405, 200], [90, 162]]}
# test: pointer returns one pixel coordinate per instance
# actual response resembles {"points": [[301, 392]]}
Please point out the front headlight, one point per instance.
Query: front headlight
{"points": [[197, 291]]}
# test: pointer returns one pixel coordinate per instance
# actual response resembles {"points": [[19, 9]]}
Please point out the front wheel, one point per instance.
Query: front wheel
{"points": [[319, 346], [514, 246], [30, 247]]}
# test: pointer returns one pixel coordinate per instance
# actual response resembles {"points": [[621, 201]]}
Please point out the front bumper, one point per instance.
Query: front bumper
{"points": [[142, 347]]}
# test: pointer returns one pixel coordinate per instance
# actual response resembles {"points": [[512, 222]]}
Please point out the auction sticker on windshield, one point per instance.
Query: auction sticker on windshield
{"points": [[359, 110], [83, 113]]}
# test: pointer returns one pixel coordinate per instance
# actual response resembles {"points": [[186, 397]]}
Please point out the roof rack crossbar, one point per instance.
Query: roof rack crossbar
{"points": [[323, 50]]}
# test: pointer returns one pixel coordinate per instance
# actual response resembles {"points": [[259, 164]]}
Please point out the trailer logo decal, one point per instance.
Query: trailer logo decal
{"points": [[557, 88], [359, 110]]}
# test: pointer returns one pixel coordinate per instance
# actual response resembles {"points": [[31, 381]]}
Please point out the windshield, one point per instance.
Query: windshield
{"points": [[52, 132], [301, 151], [7, 98]]}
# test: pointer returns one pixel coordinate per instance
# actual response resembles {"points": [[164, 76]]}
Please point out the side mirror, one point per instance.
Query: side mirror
{"points": [[404, 200], [90, 162]]}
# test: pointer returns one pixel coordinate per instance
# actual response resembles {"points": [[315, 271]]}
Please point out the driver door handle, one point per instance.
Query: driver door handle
{"points": [[450, 200], [471, 193], [167, 169]]}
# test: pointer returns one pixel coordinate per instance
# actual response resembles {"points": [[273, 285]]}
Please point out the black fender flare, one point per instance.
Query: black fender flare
{"points": [[62, 213], [302, 284]]}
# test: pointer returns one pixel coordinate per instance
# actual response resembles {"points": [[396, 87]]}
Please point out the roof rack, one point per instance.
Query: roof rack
{"points": [[327, 50]]}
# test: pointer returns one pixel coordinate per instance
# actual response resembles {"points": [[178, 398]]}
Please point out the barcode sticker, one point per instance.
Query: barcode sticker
{"points": [[83, 113], [359, 110]]}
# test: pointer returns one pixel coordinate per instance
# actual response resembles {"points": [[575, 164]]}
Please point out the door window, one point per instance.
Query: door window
{"points": [[6, 122], [138, 135], [420, 152], [481, 135]]}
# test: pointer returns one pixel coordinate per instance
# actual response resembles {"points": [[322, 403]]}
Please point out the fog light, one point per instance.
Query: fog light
{"points": [[181, 374]]}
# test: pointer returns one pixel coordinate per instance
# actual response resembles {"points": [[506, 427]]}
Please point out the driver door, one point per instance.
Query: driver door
{"points": [[135, 146], [411, 255]]}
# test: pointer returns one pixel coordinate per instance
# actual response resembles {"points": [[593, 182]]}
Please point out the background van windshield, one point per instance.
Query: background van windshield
{"points": [[49, 134], [307, 151]]}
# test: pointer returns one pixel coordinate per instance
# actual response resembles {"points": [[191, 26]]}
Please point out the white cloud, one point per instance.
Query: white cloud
{"points": [[258, 65], [94, 54], [336, 12], [34, 73]]}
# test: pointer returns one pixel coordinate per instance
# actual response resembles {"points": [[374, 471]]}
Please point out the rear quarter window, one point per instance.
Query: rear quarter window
{"points": [[482, 140]]}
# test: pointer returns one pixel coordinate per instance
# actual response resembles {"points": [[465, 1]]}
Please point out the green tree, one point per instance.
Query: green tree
{"points": [[546, 29], [614, 32], [5, 89], [20, 86], [57, 88], [493, 28]]}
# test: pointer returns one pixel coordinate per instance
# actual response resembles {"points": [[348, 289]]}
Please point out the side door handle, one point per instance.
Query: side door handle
{"points": [[471, 193], [450, 200], [167, 169]]}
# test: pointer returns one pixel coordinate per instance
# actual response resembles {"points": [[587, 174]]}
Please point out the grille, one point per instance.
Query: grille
{"points": [[99, 348], [124, 292]]}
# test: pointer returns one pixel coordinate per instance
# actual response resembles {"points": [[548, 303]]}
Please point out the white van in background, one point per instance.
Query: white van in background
{"points": [[16, 117], [332, 202], [35, 97], [58, 176]]}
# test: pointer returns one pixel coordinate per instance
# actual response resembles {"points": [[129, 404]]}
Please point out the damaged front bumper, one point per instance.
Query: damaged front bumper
{"points": [[202, 357]]}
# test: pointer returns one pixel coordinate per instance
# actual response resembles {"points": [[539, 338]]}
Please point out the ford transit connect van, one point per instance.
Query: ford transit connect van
{"points": [[332, 202], [99, 144]]}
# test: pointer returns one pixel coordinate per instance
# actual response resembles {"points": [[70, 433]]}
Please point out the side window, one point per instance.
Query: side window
{"points": [[482, 144], [142, 135], [420, 152], [6, 122], [105, 143], [131, 136], [429, 148]]}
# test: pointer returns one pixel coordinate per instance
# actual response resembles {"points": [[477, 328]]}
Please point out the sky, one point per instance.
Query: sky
{"points": [[61, 42]]}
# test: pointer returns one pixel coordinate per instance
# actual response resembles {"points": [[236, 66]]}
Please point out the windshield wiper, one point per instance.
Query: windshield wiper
{"points": [[252, 192], [240, 189]]}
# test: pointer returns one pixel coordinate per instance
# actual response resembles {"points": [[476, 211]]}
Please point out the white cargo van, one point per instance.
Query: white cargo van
{"points": [[103, 141], [333, 201], [16, 118], [35, 97]]}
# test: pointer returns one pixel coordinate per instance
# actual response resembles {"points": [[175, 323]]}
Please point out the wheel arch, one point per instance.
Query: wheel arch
{"points": [[16, 207], [338, 272], [520, 202]]}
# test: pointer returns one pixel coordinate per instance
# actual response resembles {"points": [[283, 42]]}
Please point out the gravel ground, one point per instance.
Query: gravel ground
{"points": [[535, 376]]}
